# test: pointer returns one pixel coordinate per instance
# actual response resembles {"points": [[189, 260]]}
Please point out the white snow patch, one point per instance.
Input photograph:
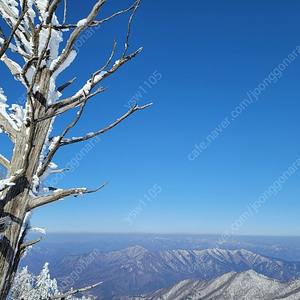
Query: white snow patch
{"points": [[66, 63], [25, 225], [88, 86], [117, 62], [53, 94], [18, 115], [5, 183], [38, 229], [3, 107], [49, 168], [13, 7], [30, 10], [81, 23], [36, 183], [53, 143], [99, 76], [42, 4]]}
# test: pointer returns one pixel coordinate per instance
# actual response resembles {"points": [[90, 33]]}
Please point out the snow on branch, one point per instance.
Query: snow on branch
{"points": [[13, 67], [6, 122], [51, 11], [97, 77], [74, 36], [38, 43], [5, 183], [58, 64], [7, 14], [6, 126], [58, 195]]}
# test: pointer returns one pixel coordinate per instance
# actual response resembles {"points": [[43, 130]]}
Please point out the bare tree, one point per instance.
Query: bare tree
{"points": [[35, 35]]}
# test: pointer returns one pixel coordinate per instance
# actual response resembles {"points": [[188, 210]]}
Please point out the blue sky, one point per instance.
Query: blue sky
{"points": [[199, 61]]}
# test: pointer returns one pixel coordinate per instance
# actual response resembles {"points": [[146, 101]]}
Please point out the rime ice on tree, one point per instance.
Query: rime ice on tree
{"points": [[28, 286]]}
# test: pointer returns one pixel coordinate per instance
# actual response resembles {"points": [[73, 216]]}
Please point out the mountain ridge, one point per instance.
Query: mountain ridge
{"points": [[232, 285], [138, 270]]}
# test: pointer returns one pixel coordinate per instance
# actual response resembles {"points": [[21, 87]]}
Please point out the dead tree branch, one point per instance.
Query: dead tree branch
{"points": [[58, 195], [62, 87], [65, 13], [97, 23], [7, 127], [4, 162], [77, 98], [76, 33], [59, 171], [57, 144], [127, 114], [31, 243], [128, 27], [72, 292], [6, 43]]}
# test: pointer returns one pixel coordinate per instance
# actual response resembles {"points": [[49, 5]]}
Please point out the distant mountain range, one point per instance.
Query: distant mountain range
{"points": [[244, 285], [287, 248], [136, 270]]}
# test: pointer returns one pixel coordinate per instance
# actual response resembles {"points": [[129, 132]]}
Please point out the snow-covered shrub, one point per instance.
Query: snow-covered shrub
{"points": [[30, 287]]}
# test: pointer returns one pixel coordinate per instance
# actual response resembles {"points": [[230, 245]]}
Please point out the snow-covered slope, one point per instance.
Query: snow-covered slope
{"points": [[234, 286]]}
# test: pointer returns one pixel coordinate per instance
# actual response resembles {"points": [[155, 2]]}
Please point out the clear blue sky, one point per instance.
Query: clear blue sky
{"points": [[200, 59]]}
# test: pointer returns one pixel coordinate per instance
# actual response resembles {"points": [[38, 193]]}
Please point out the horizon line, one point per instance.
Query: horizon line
{"points": [[173, 233]]}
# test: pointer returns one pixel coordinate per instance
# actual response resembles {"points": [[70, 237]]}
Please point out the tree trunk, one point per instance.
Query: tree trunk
{"points": [[26, 157]]}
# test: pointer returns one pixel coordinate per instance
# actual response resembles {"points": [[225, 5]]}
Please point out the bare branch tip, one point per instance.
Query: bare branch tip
{"points": [[31, 243], [98, 188], [144, 106]]}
